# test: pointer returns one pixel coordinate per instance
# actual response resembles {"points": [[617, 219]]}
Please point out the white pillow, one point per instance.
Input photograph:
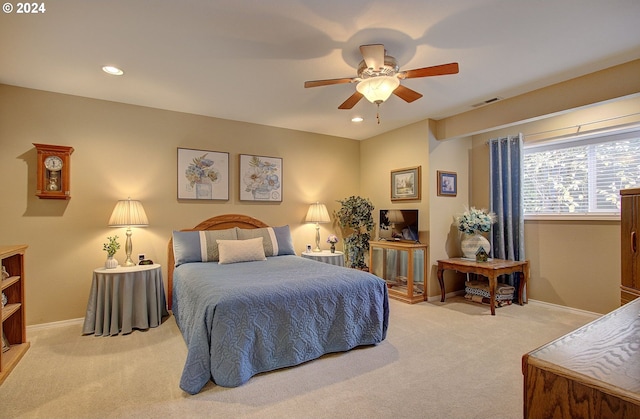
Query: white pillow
{"points": [[233, 251]]}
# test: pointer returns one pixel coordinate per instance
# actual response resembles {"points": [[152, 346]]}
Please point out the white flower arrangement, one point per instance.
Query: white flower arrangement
{"points": [[475, 220], [333, 239]]}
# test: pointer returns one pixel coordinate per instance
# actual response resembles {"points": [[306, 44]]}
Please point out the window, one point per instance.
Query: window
{"points": [[581, 175]]}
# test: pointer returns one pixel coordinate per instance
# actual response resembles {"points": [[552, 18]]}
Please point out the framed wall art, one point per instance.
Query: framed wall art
{"points": [[447, 183], [260, 178], [405, 184], [203, 174]]}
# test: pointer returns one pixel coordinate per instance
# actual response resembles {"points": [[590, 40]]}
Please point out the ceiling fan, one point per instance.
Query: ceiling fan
{"points": [[379, 76]]}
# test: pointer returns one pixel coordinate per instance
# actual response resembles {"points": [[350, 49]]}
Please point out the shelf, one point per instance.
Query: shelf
{"points": [[9, 309], [11, 357], [6, 283]]}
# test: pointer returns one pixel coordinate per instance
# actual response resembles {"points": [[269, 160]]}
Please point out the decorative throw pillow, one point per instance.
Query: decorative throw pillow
{"points": [[199, 246], [234, 251], [276, 240]]}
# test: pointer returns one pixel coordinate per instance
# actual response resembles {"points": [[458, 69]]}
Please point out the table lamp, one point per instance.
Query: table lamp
{"points": [[128, 213], [317, 214]]}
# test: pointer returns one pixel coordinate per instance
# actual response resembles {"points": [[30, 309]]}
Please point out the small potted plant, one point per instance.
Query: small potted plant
{"points": [[111, 247], [332, 240], [355, 215]]}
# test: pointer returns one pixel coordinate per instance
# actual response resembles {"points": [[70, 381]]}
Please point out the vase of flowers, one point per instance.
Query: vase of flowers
{"points": [[355, 216], [332, 240], [111, 247], [473, 223], [202, 175]]}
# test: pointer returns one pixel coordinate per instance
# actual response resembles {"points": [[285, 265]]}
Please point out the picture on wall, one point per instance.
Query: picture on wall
{"points": [[447, 183], [203, 174], [405, 184], [260, 178]]}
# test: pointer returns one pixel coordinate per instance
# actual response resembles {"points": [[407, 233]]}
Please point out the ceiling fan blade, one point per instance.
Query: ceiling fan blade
{"points": [[436, 70], [316, 83], [406, 94], [373, 56], [351, 102]]}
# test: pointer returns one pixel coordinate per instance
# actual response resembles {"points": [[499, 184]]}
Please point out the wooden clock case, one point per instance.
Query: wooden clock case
{"points": [[53, 184]]}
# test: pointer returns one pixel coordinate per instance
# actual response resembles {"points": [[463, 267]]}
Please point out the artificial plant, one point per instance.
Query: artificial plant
{"points": [[355, 216]]}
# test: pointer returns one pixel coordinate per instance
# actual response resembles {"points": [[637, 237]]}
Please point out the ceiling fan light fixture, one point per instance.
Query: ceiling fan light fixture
{"points": [[378, 89]]}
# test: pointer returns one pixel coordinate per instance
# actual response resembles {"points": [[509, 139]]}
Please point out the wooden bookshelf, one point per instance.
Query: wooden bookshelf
{"points": [[13, 325]]}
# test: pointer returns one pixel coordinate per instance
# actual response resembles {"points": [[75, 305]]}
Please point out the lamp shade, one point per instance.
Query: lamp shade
{"points": [[378, 89], [395, 216], [128, 213], [317, 214]]}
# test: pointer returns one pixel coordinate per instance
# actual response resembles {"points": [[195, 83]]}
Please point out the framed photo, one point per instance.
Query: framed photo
{"points": [[447, 183], [405, 184], [260, 178], [203, 174]]}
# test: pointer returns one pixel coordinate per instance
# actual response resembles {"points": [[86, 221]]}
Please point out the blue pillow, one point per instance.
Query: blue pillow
{"points": [[199, 246], [276, 240]]}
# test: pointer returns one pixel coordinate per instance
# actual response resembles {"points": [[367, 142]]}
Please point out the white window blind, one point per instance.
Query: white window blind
{"points": [[581, 175]]}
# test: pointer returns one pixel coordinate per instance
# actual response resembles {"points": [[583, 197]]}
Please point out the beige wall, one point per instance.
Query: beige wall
{"points": [[573, 263], [123, 150], [448, 156], [398, 149]]}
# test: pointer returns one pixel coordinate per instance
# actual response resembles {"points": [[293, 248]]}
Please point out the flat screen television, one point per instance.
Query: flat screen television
{"points": [[399, 225]]}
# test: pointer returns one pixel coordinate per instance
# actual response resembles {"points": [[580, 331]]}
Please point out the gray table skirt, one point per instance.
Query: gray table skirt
{"points": [[123, 299]]}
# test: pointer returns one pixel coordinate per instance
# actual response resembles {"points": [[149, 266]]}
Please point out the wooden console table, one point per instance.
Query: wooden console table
{"points": [[491, 269]]}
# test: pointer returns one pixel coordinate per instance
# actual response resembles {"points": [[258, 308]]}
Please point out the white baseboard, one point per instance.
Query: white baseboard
{"points": [[558, 306], [52, 325]]}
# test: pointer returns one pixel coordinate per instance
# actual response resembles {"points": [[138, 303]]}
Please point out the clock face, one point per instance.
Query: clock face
{"points": [[53, 163]]}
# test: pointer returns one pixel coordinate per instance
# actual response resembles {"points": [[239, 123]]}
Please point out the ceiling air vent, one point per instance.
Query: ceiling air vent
{"points": [[486, 102]]}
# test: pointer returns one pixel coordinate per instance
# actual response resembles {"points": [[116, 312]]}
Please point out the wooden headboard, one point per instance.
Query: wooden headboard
{"points": [[219, 222]]}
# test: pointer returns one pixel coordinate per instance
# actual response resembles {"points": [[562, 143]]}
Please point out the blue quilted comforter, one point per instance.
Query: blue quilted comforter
{"points": [[242, 319]]}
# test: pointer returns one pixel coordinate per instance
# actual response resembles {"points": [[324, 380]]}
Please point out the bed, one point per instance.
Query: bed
{"points": [[246, 304]]}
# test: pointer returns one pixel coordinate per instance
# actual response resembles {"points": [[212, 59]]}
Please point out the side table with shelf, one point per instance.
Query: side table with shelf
{"points": [[336, 258], [13, 326], [402, 266]]}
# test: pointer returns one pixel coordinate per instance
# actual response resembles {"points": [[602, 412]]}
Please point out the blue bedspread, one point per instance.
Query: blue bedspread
{"points": [[242, 319]]}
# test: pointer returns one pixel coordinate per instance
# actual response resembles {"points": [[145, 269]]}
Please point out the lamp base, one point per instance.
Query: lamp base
{"points": [[128, 247], [317, 249]]}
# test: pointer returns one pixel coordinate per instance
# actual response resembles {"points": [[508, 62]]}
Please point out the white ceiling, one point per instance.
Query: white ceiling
{"points": [[248, 60]]}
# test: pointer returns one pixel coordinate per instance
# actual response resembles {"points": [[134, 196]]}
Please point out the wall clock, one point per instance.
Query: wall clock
{"points": [[53, 165]]}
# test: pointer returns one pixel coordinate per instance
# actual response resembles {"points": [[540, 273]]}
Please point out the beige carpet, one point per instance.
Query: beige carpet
{"points": [[440, 360]]}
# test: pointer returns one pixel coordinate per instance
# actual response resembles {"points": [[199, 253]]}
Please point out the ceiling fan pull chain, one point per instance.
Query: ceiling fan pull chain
{"points": [[378, 114]]}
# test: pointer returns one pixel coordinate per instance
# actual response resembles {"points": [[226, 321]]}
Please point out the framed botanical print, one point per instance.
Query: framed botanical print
{"points": [[447, 183], [405, 184], [260, 178], [203, 174]]}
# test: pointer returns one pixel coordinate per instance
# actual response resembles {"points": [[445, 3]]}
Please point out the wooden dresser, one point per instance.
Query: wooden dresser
{"points": [[630, 244], [592, 372]]}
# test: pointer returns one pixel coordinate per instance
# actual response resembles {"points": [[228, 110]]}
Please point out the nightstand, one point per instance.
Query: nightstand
{"points": [[125, 298], [326, 256]]}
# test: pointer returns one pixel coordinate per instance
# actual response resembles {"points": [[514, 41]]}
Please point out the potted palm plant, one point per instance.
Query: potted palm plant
{"points": [[355, 217]]}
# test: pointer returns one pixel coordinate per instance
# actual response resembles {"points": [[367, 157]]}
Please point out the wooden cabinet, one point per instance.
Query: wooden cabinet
{"points": [[630, 245], [403, 267], [592, 372], [13, 324]]}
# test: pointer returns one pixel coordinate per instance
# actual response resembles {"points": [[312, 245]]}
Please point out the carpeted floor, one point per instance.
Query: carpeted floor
{"points": [[440, 360]]}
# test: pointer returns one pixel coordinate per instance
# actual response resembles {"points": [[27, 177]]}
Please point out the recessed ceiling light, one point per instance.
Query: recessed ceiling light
{"points": [[357, 119], [114, 71]]}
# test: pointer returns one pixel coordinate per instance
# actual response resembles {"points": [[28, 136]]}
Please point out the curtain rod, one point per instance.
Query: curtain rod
{"points": [[579, 126]]}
